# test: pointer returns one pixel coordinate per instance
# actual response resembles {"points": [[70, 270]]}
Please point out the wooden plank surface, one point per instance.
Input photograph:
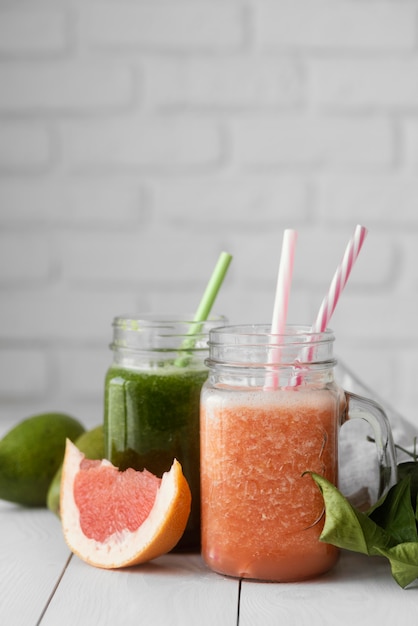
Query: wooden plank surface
{"points": [[359, 591], [41, 586], [172, 590], [33, 555]]}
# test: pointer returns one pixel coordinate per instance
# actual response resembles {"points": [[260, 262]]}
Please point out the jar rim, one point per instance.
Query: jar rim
{"points": [[254, 345], [155, 320], [300, 333], [162, 333]]}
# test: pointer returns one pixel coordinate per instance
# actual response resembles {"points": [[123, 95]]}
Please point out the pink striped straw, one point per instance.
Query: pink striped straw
{"points": [[281, 302], [337, 285], [339, 280]]}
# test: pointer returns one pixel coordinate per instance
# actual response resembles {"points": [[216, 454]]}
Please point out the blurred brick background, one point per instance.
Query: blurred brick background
{"points": [[139, 138]]}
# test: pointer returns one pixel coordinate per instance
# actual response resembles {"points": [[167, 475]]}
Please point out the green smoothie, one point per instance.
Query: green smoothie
{"points": [[152, 417]]}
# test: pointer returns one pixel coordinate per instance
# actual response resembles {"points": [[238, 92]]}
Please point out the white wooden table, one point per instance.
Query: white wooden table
{"points": [[42, 583]]}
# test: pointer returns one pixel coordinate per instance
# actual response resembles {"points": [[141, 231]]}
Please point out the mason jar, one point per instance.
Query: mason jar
{"points": [[151, 403], [271, 413]]}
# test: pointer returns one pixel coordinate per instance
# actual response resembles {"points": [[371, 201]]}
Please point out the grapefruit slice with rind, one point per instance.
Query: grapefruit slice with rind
{"points": [[114, 519]]}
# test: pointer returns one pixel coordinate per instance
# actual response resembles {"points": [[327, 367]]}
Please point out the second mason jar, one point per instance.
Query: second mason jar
{"points": [[271, 413], [152, 392]]}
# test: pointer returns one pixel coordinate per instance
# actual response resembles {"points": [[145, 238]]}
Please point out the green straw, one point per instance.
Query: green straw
{"points": [[205, 305]]}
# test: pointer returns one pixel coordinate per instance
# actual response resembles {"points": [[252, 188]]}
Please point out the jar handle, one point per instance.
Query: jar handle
{"points": [[359, 407]]}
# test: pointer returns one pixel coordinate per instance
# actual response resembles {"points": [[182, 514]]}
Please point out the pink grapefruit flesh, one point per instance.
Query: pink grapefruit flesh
{"points": [[115, 519]]}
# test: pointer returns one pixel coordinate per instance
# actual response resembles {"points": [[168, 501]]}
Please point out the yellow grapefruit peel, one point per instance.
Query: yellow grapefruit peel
{"points": [[157, 535]]}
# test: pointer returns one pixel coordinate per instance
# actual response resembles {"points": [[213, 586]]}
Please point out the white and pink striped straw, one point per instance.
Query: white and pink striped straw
{"points": [[337, 285], [339, 280], [281, 302]]}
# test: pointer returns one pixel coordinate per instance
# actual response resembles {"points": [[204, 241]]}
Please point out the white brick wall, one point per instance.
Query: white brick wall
{"points": [[179, 26], [330, 25], [139, 138], [306, 140]]}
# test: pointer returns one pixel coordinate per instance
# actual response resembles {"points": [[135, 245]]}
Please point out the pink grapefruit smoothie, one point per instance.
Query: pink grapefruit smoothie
{"points": [[261, 517]]}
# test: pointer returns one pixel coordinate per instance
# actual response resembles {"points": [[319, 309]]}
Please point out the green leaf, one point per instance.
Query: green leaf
{"points": [[395, 514], [403, 560], [410, 468], [347, 528]]}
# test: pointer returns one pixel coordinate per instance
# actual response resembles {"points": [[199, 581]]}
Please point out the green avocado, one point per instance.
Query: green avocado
{"points": [[30, 454], [91, 443]]}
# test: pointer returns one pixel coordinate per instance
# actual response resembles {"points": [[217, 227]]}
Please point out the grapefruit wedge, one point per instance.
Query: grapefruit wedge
{"points": [[114, 519]]}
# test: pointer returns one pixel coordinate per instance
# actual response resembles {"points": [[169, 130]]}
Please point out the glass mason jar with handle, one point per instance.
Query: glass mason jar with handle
{"points": [[270, 412]]}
